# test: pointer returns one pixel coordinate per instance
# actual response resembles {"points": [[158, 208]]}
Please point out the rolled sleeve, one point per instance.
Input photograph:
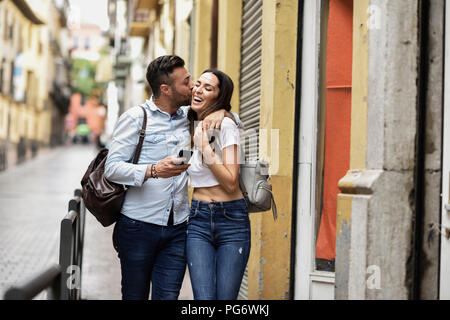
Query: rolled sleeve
{"points": [[118, 166], [139, 174]]}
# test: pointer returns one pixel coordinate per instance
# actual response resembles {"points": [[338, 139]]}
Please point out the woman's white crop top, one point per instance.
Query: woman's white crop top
{"points": [[200, 175]]}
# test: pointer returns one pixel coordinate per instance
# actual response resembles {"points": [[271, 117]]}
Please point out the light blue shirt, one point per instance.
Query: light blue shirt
{"points": [[151, 200]]}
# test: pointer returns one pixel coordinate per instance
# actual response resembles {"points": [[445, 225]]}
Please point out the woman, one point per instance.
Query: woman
{"points": [[218, 234]]}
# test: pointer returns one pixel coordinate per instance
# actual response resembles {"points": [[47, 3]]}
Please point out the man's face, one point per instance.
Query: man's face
{"points": [[181, 87]]}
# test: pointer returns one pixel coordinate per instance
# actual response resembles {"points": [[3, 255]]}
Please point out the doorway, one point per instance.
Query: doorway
{"points": [[324, 141]]}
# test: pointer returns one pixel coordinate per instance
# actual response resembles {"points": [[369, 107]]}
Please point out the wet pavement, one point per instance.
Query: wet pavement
{"points": [[33, 200]]}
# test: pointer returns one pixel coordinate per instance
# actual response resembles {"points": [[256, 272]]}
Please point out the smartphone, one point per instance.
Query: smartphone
{"points": [[187, 154]]}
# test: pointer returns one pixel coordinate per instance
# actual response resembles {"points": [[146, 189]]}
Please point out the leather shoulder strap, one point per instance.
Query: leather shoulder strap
{"points": [[141, 138]]}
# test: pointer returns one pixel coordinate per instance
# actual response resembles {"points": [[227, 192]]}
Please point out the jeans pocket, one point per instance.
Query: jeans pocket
{"points": [[130, 225], [236, 215], [193, 213]]}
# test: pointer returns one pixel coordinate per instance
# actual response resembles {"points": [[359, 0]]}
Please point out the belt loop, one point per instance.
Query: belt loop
{"points": [[198, 204]]}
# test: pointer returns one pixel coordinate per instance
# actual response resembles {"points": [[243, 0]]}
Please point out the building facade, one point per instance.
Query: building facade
{"points": [[345, 99], [31, 99]]}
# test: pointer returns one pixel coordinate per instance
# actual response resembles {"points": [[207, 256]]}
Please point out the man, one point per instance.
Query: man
{"points": [[150, 234]]}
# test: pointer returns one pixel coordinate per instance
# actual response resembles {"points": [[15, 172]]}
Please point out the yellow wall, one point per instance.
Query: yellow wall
{"points": [[202, 37], [278, 79], [229, 44], [4, 111], [359, 85]]}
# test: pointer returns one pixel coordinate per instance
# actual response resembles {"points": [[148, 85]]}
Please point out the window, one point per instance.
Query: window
{"points": [[1, 76], [11, 80], [40, 43], [29, 89], [2, 22], [10, 30], [20, 38], [5, 26], [30, 36]]}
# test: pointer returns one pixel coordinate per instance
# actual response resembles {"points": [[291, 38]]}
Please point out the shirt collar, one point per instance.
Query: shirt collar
{"points": [[151, 104]]}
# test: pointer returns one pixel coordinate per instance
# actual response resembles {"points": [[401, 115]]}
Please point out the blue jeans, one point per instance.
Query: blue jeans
{"points": [[217, 247], [150, 253]]}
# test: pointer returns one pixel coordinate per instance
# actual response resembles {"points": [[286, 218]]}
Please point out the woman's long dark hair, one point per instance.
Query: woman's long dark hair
{"points": [[223, 101]]}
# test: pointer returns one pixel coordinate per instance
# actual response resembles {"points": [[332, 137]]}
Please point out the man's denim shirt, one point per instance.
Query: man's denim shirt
{"points": [[151, 200]]}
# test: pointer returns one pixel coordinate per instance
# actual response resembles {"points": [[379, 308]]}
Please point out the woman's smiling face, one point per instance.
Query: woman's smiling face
{"points": [[205, 92]]}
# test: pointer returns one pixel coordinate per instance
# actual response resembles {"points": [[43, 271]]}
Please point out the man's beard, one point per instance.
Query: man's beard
{"points": [[181, 100]]}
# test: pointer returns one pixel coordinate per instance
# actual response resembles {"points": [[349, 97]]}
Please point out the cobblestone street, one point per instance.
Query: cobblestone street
{"points": [[33, 200]]}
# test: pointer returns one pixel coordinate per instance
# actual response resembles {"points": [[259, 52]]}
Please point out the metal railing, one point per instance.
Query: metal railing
{"points": [[62, 281]]}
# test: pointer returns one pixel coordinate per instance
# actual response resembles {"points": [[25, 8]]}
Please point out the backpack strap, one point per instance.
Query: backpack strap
{"points": [[274, 206], [141, 138]]}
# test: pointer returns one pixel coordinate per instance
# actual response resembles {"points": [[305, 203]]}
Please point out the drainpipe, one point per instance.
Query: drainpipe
{"points": [[298, 92], [444, 22], [419, 174]]}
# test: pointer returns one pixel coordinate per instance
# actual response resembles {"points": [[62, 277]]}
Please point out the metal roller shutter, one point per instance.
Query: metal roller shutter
{"points": [[250, 75], [250, 88]]}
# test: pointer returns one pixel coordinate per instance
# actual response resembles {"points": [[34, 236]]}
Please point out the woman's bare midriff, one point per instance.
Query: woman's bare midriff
{"points": [[216, 194]]}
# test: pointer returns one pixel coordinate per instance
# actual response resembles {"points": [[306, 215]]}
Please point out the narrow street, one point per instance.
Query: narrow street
{"points": [[34, 198], [345, 102]]}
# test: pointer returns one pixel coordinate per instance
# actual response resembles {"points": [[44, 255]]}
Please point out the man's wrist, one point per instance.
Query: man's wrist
{"points": [[148, 172], [154, 172], [151, 172]]}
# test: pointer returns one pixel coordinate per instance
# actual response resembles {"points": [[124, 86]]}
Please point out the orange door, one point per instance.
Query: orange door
{"points": [[337, 121]]}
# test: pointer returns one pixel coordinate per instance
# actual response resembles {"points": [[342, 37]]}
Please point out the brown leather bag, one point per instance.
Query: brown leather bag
{"points": [[104, 198]]}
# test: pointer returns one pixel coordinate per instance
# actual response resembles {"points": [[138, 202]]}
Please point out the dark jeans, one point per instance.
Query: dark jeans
{"points": [[150, 253], [218, 247]]}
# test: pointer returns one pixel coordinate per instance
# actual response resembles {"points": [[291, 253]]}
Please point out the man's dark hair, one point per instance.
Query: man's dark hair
{"points": [[159, 71]]}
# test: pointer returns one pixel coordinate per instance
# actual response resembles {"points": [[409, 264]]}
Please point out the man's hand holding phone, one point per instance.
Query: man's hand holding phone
{"points": [[168, 167], [185, 154]]}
